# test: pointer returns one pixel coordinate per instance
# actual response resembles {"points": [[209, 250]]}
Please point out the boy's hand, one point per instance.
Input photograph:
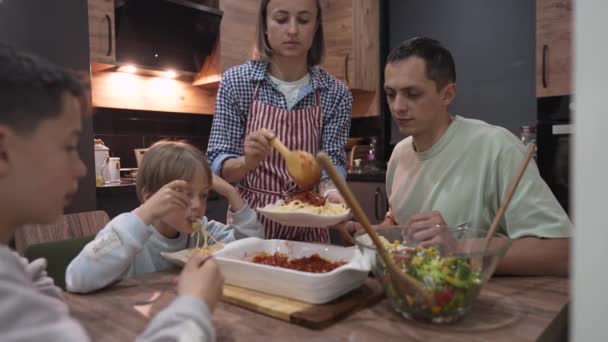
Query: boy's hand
{"points": [[228, 191], [170, 197], [201, 278]]}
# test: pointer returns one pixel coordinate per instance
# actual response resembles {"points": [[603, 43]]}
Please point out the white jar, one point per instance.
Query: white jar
{"points": [[102, 153], [113, 170]]}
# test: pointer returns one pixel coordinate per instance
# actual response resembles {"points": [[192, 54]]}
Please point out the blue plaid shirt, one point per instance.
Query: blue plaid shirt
{"points": [[234, 99]]}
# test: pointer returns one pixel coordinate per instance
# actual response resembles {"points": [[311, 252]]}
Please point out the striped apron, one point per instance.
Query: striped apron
{"points": [[269, 182]]}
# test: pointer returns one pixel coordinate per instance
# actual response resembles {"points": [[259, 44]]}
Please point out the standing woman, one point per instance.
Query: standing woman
{"points": [[281, 92]]}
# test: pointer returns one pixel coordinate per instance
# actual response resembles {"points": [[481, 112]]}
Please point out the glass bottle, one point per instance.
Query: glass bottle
{"points": [[372, 155], [528, 136]]}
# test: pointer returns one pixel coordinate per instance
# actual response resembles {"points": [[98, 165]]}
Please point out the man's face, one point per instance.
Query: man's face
{"points": [[40, 170], [414, 101]]}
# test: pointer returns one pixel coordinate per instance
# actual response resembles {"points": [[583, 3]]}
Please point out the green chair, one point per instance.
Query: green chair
{"points": [[60, 242], [58, 255]]}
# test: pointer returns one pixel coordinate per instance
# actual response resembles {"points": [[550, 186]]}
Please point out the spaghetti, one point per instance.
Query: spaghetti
{"points": [[198, 229]]}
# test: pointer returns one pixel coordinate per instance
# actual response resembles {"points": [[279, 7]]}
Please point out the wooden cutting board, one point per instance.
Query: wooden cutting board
{"points": [[314, 316]]}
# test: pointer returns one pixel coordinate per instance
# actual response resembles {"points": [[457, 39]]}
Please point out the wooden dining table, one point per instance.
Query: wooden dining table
{"points": [[508, 309]]}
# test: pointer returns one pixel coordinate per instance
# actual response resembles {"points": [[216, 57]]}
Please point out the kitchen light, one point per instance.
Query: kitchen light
{"points": [[129, 68], [170, 74]]}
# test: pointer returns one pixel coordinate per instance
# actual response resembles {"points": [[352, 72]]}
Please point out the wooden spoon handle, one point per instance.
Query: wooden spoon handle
{"points": [[280, 147], [509, 195], [360, 215]]}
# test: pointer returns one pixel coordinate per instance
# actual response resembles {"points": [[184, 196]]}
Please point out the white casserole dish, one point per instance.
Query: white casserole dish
{"points": [[315, 288]]}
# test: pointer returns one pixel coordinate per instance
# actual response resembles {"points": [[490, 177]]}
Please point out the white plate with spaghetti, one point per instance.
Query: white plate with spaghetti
{"points": [[180, 258], [305, 215], [209, 245]]}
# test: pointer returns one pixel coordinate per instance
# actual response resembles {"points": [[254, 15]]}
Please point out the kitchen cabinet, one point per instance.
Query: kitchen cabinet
{"points": [[373, 199], [235, 43], [101, 31], [553, 47], [351, 39], [237, 32]]}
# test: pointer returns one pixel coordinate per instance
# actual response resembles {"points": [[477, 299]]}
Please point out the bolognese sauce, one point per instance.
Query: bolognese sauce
{"points": [[306, 197], [313, 264]]}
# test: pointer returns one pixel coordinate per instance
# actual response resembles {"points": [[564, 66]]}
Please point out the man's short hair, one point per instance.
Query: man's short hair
{"points": [[440, 66], [32, 89]]}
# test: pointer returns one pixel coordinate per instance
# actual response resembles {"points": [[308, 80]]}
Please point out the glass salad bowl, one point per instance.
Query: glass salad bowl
{"points": [[453, 275]]}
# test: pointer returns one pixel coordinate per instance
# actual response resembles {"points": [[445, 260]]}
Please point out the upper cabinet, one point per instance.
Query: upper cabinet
{"points": [[101, 31], [235, 43], [553, 47], [237, 33], [351, 40], [351, 29]]}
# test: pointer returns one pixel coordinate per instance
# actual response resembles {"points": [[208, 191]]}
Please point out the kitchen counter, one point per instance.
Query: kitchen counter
{"points": [[508, 309], [116, 198]]}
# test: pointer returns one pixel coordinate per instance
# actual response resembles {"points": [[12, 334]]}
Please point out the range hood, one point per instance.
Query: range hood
{"points": [[165, 35]]}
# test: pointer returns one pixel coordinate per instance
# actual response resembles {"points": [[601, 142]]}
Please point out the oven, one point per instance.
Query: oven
{"points": [[553, 134]]}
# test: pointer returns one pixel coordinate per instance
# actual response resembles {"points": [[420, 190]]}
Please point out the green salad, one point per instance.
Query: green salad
{"points": [[450, 278]]}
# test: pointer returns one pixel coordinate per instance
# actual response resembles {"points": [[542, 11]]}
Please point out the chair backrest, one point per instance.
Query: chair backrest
{"points": [[58, 255], [70, 226]]}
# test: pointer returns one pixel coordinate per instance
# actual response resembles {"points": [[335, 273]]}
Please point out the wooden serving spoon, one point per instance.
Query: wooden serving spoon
{"points": [[403, 282], [301, 165], [477, 262]]}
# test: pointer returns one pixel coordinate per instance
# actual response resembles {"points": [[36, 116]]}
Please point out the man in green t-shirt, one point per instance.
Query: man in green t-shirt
{"points": [[453, 171]]}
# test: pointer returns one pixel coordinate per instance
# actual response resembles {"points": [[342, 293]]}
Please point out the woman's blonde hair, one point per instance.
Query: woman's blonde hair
{"points": [[262, 50], [166, 161]]}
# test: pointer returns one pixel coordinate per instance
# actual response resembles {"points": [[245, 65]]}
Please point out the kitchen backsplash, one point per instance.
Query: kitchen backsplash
{"points": [[124, 130], [365, 127]]}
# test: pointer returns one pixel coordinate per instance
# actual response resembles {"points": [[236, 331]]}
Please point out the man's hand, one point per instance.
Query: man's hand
{"points": [[349, 228], [429, 228]]}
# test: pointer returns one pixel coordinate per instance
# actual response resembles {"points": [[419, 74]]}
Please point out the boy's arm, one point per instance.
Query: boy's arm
{"points": [[28, 315], [186, 319], [244, 219], [36, 272], [244, 224], [109, 257]]}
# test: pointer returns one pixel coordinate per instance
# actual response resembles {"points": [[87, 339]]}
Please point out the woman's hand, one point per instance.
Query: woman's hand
{"points": [[170, 197], [257, 147]]}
